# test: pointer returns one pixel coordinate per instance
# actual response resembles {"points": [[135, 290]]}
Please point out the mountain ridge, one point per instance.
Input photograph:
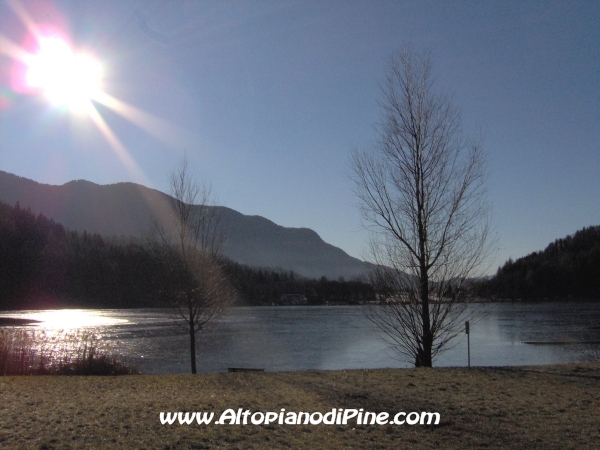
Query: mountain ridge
{"points": [[128, 209]]}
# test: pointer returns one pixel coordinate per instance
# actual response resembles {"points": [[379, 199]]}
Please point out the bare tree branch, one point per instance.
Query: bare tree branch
{"points": [[421, 192], [198, 290]]}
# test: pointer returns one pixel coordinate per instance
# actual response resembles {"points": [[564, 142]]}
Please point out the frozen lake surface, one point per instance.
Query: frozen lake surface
{"points": [[331, 337]]}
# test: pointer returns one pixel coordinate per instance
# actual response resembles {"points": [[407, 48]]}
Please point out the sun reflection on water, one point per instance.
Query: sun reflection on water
{"points": [[68, 319]]}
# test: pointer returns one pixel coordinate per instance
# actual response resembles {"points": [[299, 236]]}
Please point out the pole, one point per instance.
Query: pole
{"points": [[468, 343]]}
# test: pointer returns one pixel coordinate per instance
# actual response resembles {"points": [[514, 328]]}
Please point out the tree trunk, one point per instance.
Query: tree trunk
{"points": [[192, 346], [424, 353]]}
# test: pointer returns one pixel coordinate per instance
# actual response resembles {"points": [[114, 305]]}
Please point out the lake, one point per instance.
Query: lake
{"points": [[331, 337]]}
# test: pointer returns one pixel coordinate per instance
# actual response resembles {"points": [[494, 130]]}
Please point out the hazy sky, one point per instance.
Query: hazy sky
{"points": [[268, 99]]}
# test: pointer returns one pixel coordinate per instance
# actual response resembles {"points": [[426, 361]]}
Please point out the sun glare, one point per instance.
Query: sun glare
{"points": [[66, 319], [66, 78], [46, 64]]}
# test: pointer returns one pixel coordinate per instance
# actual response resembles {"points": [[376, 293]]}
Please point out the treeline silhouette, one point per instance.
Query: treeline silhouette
{"points": [[45, 265], [266, 286], [568, 268]]}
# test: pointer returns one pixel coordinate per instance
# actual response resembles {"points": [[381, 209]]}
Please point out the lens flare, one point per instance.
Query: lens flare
{"points": [[65, 78], [47, 63]]}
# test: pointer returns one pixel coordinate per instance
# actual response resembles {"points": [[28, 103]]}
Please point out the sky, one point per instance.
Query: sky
{"points": [[267, 100]]}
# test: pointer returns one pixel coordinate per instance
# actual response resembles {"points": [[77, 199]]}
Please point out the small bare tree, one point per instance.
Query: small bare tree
{"points": [[197, 290], [421, 192]]}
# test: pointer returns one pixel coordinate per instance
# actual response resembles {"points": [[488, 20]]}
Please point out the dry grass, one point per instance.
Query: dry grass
{"points": [[519, 407]]}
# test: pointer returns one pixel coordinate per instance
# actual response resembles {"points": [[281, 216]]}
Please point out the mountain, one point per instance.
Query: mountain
{"points": [[568, 268], [128, 209]]}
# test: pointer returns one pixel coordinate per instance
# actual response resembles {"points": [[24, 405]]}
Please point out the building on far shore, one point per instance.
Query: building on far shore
{"points": [[293, 299]]}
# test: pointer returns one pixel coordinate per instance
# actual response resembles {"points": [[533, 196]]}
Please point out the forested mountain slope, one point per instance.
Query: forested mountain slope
{"points": [[128, 209], [567, 268]]}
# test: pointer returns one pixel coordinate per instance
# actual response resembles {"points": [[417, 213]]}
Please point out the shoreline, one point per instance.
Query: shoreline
{"points": [[16, 322], [476, 301]]}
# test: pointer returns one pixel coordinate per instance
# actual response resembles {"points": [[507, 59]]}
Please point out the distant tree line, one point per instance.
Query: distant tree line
{"points": [[266, 286], [568, 268], [45, 265]]}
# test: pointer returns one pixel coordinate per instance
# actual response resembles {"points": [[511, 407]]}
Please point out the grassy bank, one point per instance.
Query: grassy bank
{"points": [[520, 407]]}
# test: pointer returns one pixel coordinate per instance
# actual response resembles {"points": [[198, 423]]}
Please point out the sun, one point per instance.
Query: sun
{"points": [[65, 78]]}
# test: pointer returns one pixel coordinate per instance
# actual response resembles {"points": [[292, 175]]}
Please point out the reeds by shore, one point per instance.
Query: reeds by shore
{"points": [[32, 352]]}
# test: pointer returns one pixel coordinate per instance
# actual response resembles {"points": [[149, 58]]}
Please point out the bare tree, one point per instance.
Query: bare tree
{"points": [[197, 290], [421, 191]]}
